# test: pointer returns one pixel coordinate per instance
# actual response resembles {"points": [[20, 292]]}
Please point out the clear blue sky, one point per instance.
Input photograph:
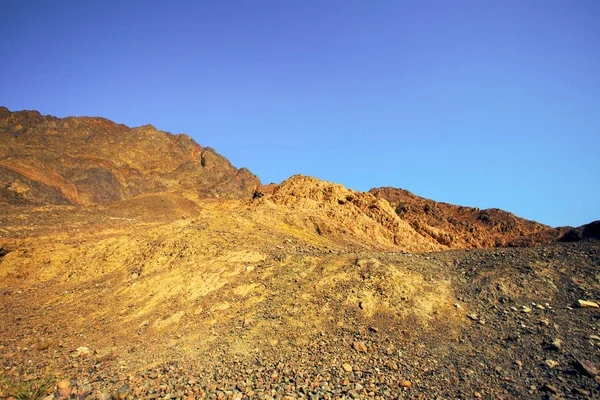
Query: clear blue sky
{"points": [[479, 103]]}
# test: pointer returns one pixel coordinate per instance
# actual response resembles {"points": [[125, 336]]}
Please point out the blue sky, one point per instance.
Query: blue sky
{"points": [[478, 103]]}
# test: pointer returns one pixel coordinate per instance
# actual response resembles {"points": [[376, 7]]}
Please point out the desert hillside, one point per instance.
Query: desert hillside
{"points": [[47, 160], [155, 269], [458, 226]]}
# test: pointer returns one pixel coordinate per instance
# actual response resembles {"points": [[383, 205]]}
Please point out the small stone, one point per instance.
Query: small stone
{"points": [[551, 363], [594, 337], [556, 344], [406, 384], [104, 396], [122, 392], [456, 305], [347, 367], [540, 307], [473, 317], [525, 309], [83, 351], [64, 393], [586, 367], [581, 392], [586, 304], [360, 347], [63, 384], [549, 388]]}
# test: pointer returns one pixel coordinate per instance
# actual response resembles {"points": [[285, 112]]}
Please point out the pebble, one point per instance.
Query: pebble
{"points": [[551, 363], [525, 309], [586, 304], [473, 317], [581, 392], [63, 384], [360, 347], [83, 351], [122, 392], [347, 367], [586, 367], [549, 388]]}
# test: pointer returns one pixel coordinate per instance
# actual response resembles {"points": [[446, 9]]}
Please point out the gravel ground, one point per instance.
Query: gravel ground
{"points": [[522, 336]]}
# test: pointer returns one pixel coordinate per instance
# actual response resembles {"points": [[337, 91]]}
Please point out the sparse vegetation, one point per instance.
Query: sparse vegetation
{"points": [[30, 390]]}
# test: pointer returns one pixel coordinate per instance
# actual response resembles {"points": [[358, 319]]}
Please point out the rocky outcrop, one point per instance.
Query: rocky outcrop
{"points": [[464, 227], [49, 160], [344, 215]]}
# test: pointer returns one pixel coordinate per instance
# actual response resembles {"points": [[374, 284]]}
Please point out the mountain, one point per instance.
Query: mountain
{"points": [[47, 160], [464, 227], [138, 264]]}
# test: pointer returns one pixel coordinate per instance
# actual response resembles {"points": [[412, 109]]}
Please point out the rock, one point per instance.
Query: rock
{"points": [[392, 365], [594, 337], [540, 307], [556, 344], [585, 367], [406, 384], [581, 392], [104, 396], [64, 393], [347, 367], [63, 384], [83, 351], [549, 389], [473, 317], [586, 304], [122, 392], [551, 363], [360, 347], [525, 309]]}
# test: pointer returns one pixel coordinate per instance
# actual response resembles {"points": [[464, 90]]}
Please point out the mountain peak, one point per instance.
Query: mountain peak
{"points": [[89, 160]]}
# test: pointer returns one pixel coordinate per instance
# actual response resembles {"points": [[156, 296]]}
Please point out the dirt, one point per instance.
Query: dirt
{"points": [[205, 298]]}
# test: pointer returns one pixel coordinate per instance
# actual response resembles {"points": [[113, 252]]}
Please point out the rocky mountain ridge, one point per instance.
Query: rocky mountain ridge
{"points": [[46, 160]]}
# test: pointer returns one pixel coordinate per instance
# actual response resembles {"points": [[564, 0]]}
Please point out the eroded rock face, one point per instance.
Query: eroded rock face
{"points": [[464, 227], [49, 160], [343, 214]]}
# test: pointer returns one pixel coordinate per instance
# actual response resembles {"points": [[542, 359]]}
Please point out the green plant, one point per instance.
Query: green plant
{"points": [[32, 390]]}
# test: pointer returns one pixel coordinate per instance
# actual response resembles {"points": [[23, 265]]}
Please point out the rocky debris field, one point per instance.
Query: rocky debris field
{"points": [[527, 327]]}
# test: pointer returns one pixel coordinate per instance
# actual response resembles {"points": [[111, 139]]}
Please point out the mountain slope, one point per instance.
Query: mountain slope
{"points": [[48, 160], [463, 227], [354, 218]]}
